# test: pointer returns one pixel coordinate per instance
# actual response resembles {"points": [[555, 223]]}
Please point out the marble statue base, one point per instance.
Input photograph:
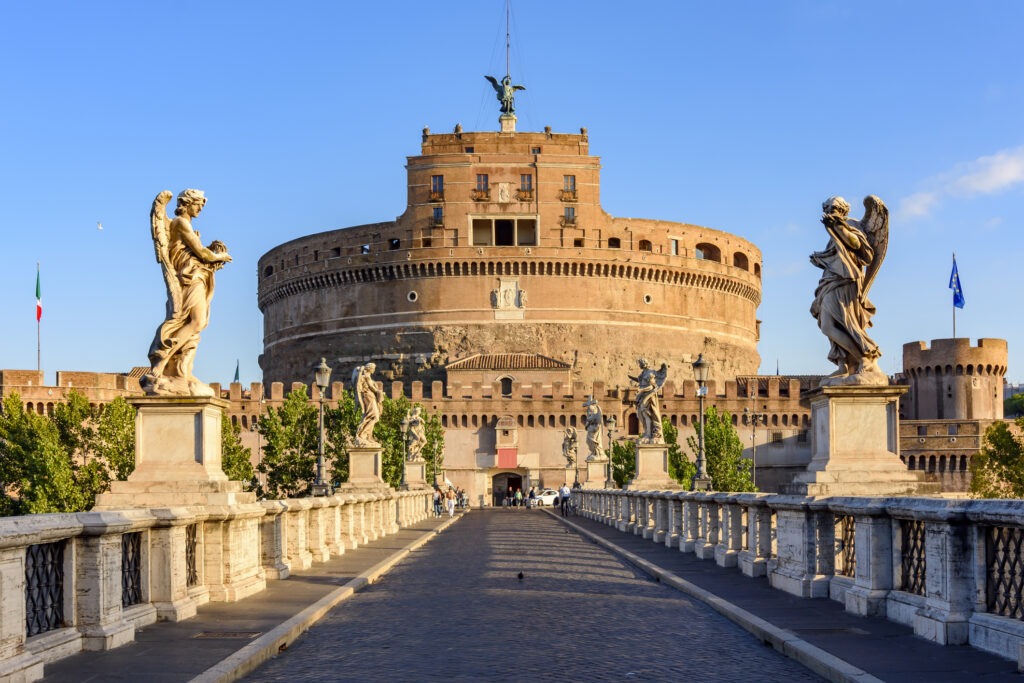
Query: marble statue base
{"points": [[365, 469], [415, 476], [597, 472], [177, 457], [855, 445], [652, 469]]}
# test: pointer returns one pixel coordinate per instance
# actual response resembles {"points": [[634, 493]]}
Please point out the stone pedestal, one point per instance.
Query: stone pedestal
{"points": [[508, 123], [415, 476], [596, 474], [365, 471], [177, 457], [855, 445], [652, 469]]}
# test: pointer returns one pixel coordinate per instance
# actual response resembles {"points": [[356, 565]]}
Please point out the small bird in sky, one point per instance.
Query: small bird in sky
{"points": [[99, 226]]}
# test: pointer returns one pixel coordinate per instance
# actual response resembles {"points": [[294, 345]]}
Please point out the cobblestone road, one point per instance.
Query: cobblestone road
{"points": [[456, 610]]}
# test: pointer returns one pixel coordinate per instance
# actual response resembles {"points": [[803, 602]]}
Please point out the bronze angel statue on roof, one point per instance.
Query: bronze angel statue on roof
{"points": [[850, 263], [188, 269], [506, 93]]}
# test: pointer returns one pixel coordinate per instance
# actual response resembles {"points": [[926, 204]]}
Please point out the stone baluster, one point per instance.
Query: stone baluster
{"points": [[346, 523], [798, 559], [316, 532], [873, 577], [332, 526], [710, 527], [691, 523], [273, 540], [297, 555], [626, 520], [674, 521], [753, 559], [643, 515], [98, 612], [361, 518], [169, 590], [660, 517], [731, 540]]}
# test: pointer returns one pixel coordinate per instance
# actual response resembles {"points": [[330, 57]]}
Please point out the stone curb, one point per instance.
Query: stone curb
{"points": [[276, 640], [788, 643]]}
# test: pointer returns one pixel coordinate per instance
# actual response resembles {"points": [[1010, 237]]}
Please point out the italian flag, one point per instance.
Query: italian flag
{"points": [[39, 298]]}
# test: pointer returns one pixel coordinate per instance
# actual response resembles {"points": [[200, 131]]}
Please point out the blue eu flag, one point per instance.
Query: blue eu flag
{"points": [[954, 284]]}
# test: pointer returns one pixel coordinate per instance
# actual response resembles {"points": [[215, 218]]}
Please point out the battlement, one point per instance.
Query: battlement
{"points": [[956, 356]]}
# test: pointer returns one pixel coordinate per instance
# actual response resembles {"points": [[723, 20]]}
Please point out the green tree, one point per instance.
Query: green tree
{"points": [[1014, 406], [340, 427], [679, 467], [114, 442], [289, 447], [235, 459], [36, 469], [388, 433], [723, 453], [997, 471], [623, 455]]}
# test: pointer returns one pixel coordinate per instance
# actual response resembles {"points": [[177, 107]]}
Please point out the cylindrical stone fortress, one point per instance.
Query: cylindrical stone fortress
{"points": [[504, 248]]}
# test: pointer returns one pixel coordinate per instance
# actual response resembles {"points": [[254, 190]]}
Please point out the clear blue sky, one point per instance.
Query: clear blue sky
{"points": [[296, 118]]}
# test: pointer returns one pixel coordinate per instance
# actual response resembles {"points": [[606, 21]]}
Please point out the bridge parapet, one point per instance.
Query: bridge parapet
{"points": [[88, 580], [952, 570]]}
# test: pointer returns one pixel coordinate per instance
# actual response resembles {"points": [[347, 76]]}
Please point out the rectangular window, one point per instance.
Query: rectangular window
{"points": [[674, 247], [526, 182], [775, 439], [570, 214], [482, 228], [535, 150], [438, 215], [954, 430], [922, 430], [437, 184], [577, 242], [526, 229], [481, 182], [569, 183], [469, 150]]}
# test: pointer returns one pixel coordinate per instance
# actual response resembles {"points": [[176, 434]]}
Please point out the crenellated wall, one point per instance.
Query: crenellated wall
{"points": [[953, 380]]}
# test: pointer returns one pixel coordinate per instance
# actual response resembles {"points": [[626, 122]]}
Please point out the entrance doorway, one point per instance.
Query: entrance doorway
{"points": [[500, 484]]}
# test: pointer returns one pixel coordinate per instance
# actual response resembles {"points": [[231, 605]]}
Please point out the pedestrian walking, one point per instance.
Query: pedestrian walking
{"points": [[437, 502], [564, 494], [533, 498], [450, 501], [519, 498]]}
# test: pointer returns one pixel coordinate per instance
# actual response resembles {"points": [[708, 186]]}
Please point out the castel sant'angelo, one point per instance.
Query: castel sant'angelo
{"points": [[505, 300]]}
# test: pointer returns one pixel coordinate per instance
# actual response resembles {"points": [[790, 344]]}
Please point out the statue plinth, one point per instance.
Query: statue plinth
{"points": [[597, 471], [177, 457], [652, 469], [415, 475], [855, 445], [365, 469], [508, 123]]}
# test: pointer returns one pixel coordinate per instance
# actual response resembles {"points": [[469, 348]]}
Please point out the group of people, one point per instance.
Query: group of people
{"points": [[514, 498], [446, 501]]}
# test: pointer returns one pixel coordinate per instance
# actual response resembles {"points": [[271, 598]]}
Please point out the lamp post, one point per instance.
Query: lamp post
{"points": [[322, 376], [611, 423], [405, 449], [701, 368], [754, 419]]}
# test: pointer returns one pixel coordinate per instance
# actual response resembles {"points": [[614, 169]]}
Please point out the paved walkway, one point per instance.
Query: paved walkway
{"points": [[455, 609]]}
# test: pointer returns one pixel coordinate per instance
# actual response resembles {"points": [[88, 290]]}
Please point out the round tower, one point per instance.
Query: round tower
{"points": [[504, 248], [953, 380]]}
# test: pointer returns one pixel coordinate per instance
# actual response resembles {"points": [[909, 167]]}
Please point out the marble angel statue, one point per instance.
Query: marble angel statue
{"points": [[370, 399], [648, 401], [569, 445], [850, 262], [593, 420], [188, 269]]}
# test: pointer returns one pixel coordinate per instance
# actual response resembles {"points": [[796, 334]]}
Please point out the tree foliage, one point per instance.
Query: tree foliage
{"points": [[723, 453], [235, 459], [679, 467], [1014, 406], [289, 447], [60, 463], [623, 455], [997, 471]]}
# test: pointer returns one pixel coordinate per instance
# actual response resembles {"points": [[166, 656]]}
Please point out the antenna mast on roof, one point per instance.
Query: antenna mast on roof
{"points": [[508, 38], [506, 90]]}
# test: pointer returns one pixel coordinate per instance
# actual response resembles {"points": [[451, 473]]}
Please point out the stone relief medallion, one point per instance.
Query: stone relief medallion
{"points": [[504, 193]]}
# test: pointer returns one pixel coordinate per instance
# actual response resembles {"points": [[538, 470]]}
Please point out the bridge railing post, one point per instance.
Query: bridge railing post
{"points": [[757, 548], [274, 539]]}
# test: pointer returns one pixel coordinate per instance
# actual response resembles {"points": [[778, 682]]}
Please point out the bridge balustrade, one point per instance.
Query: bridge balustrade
{"points": [[88, 580], [953, 570]]}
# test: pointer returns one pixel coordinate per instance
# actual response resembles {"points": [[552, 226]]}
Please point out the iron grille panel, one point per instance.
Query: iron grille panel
{"points": [[44, 587], [1004, 563], [846, 550], [131, 569], [191, 532], [913, 564]]}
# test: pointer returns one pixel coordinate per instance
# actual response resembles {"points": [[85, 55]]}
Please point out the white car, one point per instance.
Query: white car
{"points": [[547, 497]]}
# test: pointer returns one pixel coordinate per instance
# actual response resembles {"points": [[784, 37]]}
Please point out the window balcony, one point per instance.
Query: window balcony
{"points": [[524, 195], [567, 221], [437, 195], [567, 195], [436, 222], [479, 195]]}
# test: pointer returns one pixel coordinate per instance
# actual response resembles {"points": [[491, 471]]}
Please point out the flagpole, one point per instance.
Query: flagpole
{"points": [[954, 302], [39, 346]]}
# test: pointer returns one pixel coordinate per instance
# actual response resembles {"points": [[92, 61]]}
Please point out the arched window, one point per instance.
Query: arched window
{"points": [[614, 243], [645, 245], [708, 252], [740, 261], [506, 387]]}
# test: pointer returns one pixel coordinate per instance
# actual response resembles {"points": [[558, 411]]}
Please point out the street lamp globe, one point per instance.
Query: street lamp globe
{"points": [[322, 375], [322, 378], [701, 369]]}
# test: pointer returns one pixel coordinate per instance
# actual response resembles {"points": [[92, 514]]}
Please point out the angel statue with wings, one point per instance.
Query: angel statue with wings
{"points": [[506, 93], [850, 263], [188, 269], [370, 398], [569, 445], [648, 402], [593, 420]]}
